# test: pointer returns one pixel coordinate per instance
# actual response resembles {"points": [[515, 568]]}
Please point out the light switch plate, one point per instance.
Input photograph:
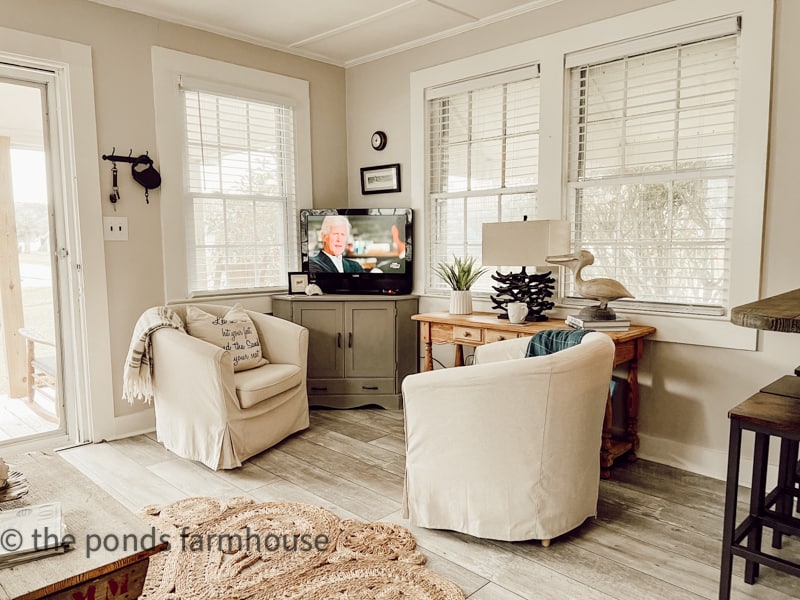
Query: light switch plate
{"points": [[115, 229]]}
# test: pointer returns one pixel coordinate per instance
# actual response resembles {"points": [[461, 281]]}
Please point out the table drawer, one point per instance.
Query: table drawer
{"points": [[467, 335], [499, 336]]}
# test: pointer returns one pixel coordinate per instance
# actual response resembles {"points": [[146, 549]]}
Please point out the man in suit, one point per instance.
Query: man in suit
{"points": [[335, 232]]}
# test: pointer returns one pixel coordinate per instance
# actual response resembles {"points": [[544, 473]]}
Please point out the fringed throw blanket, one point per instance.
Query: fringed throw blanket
{"points": [[137, 380]]}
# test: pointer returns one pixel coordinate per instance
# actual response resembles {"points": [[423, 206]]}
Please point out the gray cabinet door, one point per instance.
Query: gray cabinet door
{"points": [[370, 339], [326, 340]]}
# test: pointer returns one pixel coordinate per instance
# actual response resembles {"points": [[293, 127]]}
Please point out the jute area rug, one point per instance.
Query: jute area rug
{"points": [[239, 549]]}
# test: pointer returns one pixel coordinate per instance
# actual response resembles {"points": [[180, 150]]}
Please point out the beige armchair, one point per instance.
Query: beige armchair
{"points": [[206, 412], [508, 448]]}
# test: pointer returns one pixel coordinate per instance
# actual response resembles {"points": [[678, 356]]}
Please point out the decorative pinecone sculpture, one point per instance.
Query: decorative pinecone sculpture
{"points": [[532, 289]]}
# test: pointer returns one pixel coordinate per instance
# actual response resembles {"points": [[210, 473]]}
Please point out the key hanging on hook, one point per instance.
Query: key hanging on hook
{"points": [[114, 197]]}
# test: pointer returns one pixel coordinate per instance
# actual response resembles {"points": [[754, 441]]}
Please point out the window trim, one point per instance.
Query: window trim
{"points": [[752, 136], [168, 66]]}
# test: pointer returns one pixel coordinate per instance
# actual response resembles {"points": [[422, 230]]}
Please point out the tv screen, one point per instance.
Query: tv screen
{"points": [[357, 250]]}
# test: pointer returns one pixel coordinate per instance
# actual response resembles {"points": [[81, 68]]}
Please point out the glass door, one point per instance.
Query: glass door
{"points": [[31, 383]]}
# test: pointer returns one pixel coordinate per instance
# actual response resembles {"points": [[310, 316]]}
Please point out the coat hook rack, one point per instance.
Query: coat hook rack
{"points": [[148, 177]]}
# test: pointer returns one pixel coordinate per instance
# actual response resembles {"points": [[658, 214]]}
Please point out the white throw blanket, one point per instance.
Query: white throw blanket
{"points": [[137, 379]]}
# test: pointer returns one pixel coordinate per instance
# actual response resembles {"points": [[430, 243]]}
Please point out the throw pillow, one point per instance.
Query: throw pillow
{"points": [[234, 332]]}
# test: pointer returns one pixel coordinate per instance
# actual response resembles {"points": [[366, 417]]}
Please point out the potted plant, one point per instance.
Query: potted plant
{"points": [[460, 275]]}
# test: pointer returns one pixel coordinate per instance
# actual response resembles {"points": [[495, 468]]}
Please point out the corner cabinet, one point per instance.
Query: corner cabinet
{"points": [[359, 349]]}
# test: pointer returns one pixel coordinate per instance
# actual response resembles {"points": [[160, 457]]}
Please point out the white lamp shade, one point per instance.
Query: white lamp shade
{"points": [[523, 243]]}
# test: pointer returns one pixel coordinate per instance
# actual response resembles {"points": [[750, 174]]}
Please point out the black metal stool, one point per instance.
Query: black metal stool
{"points": [[766, 415]]}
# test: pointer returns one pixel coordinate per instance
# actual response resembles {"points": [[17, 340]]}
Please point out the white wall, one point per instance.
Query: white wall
{"points": [[686, 390]]}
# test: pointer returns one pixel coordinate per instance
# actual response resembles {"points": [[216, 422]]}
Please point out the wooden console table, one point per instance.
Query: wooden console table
{"points": [[483, 327]]}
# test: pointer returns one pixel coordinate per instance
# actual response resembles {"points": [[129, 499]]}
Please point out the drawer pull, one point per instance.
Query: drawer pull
{"points": [[467, 334], [319, 389], [369, 387], [500, 338]]}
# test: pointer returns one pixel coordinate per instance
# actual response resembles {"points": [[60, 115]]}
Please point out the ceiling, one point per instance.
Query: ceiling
{"points": [[340, 32]]}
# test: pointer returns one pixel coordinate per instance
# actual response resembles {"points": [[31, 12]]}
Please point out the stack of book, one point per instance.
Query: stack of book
{"points": [[32, 532], [619, 324]]}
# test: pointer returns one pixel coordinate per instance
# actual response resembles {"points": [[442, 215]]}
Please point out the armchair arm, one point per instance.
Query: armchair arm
{"points": [[281, 341], [501, 351], [34, 336], [196, 376]]}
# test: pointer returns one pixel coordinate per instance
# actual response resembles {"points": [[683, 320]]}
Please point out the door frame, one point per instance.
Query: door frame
{"points": [[75, 169]]}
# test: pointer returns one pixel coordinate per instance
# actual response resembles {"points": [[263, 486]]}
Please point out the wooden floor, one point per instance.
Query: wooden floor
{"points": [[657, 533]]}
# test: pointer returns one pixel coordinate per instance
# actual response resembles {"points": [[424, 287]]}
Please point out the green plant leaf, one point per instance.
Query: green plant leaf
{"points": [[461, 274]]}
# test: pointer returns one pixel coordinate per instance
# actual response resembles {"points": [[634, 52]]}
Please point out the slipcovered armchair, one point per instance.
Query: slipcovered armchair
{"points": [[508, 448], [207, 412]]}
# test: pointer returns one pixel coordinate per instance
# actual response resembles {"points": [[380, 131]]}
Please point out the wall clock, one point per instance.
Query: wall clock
{"points": [[379, 140]]}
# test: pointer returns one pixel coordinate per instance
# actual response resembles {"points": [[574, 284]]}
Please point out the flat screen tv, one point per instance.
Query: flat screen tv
{"points": [[358, 250]]}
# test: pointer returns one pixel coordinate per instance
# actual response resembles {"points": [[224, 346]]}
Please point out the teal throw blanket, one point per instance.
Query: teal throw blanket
{"points": [[552, 340]]}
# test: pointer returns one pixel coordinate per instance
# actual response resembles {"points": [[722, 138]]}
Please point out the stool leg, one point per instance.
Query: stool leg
{"points": [[729, 520], [783, 502], [757, 492]]}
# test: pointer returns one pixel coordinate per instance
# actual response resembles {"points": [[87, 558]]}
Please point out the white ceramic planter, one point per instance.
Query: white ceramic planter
{"points": [[461, 302]]}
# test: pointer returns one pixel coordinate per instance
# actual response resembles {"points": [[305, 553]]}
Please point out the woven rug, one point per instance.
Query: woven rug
{"points": [[239, 549]]}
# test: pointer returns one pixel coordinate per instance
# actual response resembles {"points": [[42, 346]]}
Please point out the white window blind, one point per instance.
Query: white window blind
{"points": [[240, 189], [483, 146], [652, 144]]}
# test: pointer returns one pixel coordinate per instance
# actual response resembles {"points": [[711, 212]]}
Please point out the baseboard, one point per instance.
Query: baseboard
{"points": [[703, 461]]}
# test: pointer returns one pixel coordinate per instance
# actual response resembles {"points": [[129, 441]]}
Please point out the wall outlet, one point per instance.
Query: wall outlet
{"points": [[115, 229]]}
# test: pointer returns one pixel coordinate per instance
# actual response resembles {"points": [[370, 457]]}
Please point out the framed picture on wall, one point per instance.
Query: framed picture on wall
{"points": [[380, 180]]}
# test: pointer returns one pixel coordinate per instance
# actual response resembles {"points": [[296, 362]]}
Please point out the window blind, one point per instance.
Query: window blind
{"points": [[483, 145], [652, 144], [240, 186]]}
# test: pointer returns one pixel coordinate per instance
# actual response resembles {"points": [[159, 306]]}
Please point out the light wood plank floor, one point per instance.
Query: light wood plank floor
{"points": [[657, 533]]}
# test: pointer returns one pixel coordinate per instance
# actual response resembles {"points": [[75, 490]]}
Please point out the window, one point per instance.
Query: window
{"points": [[652, 150], [483, 146], [239, 157], [652, 135], [237, 143]]}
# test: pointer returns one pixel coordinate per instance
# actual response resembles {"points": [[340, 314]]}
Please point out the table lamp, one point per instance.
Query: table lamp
{"points": [[776, 313], [523, 244]]}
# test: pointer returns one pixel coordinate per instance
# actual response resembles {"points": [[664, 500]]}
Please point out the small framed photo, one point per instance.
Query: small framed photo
{"points": [[298, 282], [380, 180]]}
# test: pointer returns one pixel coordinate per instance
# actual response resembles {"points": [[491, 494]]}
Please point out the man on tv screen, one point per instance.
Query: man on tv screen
{"points": [[335, 232]]}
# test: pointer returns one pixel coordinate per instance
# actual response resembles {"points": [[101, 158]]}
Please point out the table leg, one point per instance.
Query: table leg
{"points": [[632, 421], [427, 339], [606, 460], [428, 365], [459, 359], [729, 520]]}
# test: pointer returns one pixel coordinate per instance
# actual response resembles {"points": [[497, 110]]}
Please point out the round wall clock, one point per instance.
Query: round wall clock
{"points": [[379, 140]]}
